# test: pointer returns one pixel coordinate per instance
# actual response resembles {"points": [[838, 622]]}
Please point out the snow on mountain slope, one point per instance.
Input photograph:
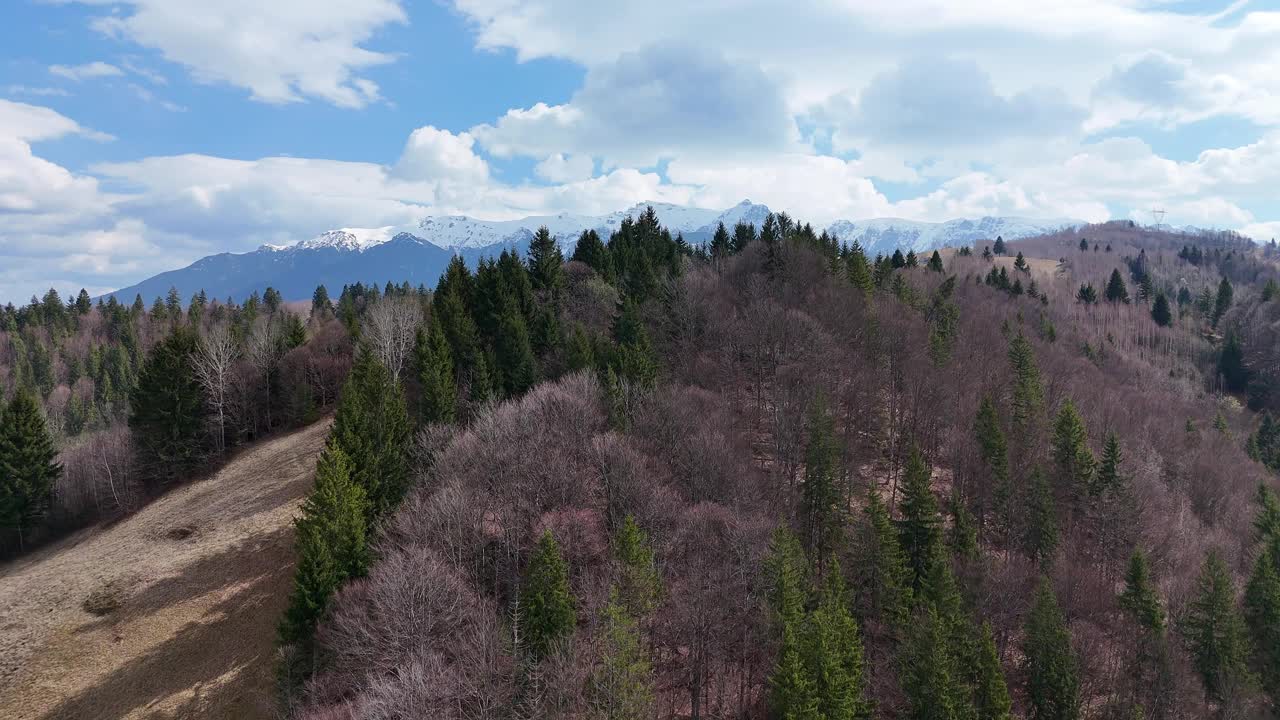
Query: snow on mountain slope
{"points": [[358, 239], [888, 234]]}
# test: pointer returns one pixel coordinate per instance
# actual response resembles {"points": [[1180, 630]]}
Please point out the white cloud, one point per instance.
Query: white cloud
{"points": [[434, 154], [281, 51], [37, 91], [1262, 232], [565, 168], [659, 102], [95, 69]]}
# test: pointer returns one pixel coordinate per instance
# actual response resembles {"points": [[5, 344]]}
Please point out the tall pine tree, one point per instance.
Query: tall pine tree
{"points": [[371, 427], [547, 613], [1215, 631], [433, 360], [1053, 684], [167, 409], [28, 465], [920, 530]]}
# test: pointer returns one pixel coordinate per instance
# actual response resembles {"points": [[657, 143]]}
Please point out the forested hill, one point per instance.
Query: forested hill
{"points": [[770, 477]]}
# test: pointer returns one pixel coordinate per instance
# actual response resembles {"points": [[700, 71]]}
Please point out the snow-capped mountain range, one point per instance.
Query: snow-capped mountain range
{"points": [[420, 252]]}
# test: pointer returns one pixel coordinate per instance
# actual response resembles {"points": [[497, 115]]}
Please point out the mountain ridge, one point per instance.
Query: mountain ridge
{"points": [[420, 252]]}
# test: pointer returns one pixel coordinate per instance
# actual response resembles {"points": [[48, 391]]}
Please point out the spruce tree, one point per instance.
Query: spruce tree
{"points": [[935, 262], [593, 253], [920, 531], [547, 613], [1139, 598], [999, 246], [993, 449], [821, 496], [639, 587], [1107, 480], [1028, 394], [1222, 302], [743, 235], [991, 692], [1215, 631], [1040, 535], [580, 353], [438, 395], [167, 409], [621, 686], [1266, 523], [1160, 311], [28, 465], [1262, 614], [1116, 291], [1053, 686], [1072, 456], [516, 364], [932, 692], [1020, 263], [371, 427], [720, 244], [1235, 374], [860, 272], [546, 265], [331, 542], [883, 587], [834, 654]]}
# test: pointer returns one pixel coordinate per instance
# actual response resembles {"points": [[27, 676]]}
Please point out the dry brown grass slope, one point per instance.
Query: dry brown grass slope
{"points": [[200, 577]]}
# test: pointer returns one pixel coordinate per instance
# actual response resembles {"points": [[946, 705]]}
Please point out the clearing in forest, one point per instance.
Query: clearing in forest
{"points": [[189, 591]]}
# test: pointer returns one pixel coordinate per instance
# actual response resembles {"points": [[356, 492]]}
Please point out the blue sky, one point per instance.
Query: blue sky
{"points": [[139, 135]]}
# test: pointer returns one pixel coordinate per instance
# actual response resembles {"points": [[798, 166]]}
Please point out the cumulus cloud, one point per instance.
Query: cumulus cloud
{"points": [[96, 69], [563, 168], [281, 51], [658, 102]]}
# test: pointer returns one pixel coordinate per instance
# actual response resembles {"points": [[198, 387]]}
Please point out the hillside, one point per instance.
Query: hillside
{"points": [[201, 576]]}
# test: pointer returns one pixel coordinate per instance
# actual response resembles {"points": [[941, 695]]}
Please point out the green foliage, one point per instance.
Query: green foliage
{"points": [[547, 611], [1222, 302], [1040, 535], [1020, 263], [516, 364], [1108, 480], [580, 353], [1160, 311], [883, 587], [935, 262], [932, 692], [331, 544], [1266, 523], [621, 686], [993, 449], [592, 252], [1215, 631], [991, 692], [1028, 394], [787, 575], [546, 266], [28, 465], [1116, 291], [821, 496], [1087, 295], [1072, 457], [1231, 365], [1139, 597], [639, 586], [167, 409], [1053, 685], [834, 654], [433, 361], [920, 530], [1262, 614], [372, 429], [860, 272]]}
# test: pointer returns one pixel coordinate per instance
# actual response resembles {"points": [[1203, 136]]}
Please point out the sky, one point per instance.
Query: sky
{"points": [[137, 136]]}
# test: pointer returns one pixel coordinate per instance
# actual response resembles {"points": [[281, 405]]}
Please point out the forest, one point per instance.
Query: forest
{"points": [[766, 477]]}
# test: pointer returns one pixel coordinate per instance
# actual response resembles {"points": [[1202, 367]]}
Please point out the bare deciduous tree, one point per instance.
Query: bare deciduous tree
{"points": [[389, 329], [263, 348], [214, 365]]}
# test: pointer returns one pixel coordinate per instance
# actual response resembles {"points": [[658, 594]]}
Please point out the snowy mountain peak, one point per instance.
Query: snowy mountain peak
{"points": [[357, 239]]}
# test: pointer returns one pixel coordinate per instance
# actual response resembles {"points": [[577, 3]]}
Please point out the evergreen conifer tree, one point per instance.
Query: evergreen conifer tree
{"points": [[1160, 311], [621, 687], [920, 531], [935, 262], [883, 590], [861, 273], [546, 265], [993, 449], [371, 428], [932, 692], [1262, 614], [516, 364], [331, 543], [1139, 597], [1028, 394], [167, 409], [1222, 302], [1040, 538], [835, 654], [1215, 631], [1020, 263], [1053, 686], [1116, 290], [546, 602], [998, 247], [433, 359], [592, 252], [1235, 374], [639, 582], [28, 465], [1107, 480], [991, 692], [821, 497], [1072, 456]]}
